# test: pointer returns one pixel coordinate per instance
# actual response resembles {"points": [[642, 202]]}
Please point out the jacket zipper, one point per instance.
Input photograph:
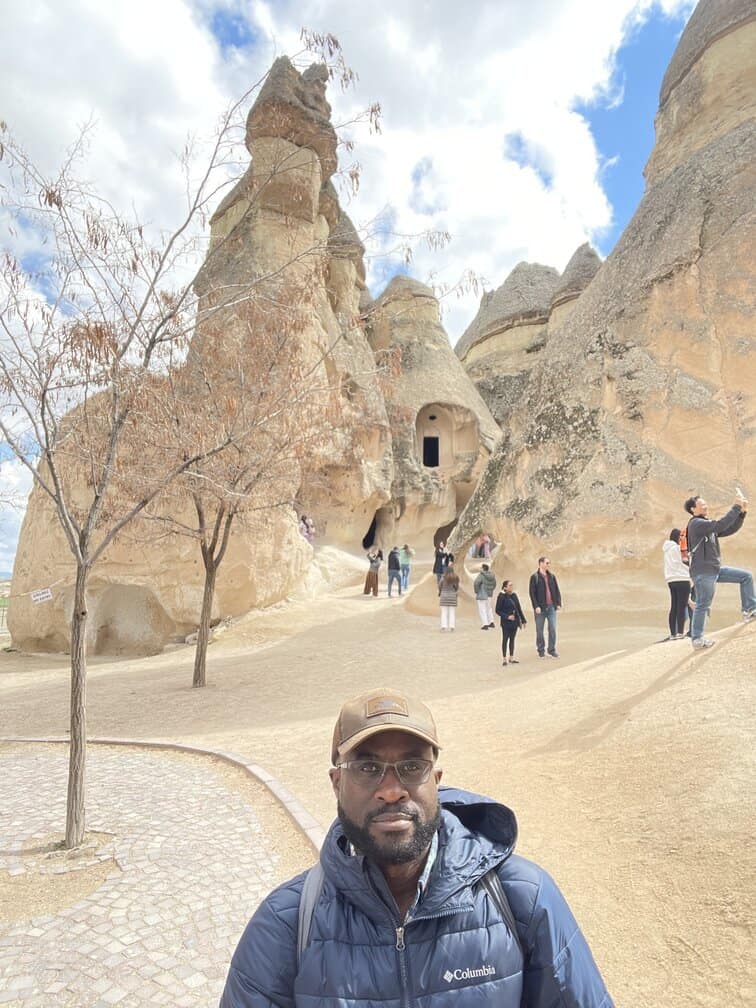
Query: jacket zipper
{"points": [[401, 948]]}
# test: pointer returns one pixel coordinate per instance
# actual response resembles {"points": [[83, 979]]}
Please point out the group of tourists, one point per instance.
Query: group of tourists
{"points": [[545, 598], [693, 568], [399, 566]]}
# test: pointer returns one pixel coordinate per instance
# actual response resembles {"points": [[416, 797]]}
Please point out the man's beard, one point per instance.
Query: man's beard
{"points": [[391, 850]]}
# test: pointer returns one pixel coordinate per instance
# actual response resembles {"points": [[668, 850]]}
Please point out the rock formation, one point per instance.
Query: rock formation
{"points": [[281, 229], [282, 217], [442, 431], [505, 339], [646, 392]]}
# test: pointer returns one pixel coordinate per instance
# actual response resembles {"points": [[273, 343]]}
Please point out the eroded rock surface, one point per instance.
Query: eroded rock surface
{"points": [[646, 392], [442, 431]]}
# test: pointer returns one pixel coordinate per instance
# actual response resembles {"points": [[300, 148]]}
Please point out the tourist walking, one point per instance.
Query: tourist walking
{"points": [[677, 576], [511, 616], [706, 568], [448, 589], [394, 570], [417, 897], [405, 563], [375, 559], [546, 599], [484, 586]]}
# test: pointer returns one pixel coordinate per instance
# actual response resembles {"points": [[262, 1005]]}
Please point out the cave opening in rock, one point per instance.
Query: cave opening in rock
{"points": [[430, 452], [369, 538]]}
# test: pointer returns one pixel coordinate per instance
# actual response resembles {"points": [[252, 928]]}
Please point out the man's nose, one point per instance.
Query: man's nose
{"points": [[391, 786]]}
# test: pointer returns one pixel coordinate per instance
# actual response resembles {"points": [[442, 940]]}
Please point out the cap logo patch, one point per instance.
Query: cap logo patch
{"points": [[385, 705]]}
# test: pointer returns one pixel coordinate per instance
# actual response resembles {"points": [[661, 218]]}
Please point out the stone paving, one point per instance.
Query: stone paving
{"points": [[193, 864]]}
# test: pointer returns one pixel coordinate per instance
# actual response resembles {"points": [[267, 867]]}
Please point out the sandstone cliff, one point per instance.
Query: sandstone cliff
{"points": [[647, 391]]}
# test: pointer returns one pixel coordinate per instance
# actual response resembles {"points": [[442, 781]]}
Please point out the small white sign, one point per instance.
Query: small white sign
{"points": [[41, 595]]}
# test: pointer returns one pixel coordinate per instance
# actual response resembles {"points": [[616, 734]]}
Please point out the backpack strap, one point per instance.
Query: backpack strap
{"points": [[492, 884], [311, 890]]}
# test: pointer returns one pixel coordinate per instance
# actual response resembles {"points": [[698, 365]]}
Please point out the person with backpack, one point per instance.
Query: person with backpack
{"points": [[677, 576], [417, 895], [706, 570]]}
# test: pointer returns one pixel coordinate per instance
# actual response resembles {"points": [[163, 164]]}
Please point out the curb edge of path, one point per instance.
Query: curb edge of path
{"points": [[299, 815]]}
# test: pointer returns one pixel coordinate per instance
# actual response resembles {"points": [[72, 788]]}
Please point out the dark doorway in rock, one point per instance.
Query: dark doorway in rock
{"points": [[369, 537], [430, 452]]}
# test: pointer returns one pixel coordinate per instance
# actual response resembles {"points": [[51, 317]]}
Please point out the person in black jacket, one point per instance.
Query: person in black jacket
{"points": [[546, 599], [510, 613], [439, 561], [394, 570], [706, 563]]}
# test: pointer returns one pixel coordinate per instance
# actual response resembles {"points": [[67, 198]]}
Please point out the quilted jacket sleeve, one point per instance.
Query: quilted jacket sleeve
{"points": [[559, 968], [264, 965]]}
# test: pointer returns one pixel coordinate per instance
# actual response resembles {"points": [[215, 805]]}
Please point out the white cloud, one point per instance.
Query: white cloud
{"points": [[15, 485], [454, 80]]}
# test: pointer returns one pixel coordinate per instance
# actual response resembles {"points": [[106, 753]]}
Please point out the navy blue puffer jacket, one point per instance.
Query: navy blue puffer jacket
{"points": [[456, 951]]}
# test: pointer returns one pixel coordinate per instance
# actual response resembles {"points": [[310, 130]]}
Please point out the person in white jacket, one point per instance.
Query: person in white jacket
{"points": [[677, 576]]}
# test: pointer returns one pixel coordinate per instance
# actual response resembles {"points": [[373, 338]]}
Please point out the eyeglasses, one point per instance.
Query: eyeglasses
{"points": [[370, 772]]}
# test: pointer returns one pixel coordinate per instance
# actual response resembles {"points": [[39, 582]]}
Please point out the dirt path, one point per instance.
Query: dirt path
{"points": [[631, 774]]}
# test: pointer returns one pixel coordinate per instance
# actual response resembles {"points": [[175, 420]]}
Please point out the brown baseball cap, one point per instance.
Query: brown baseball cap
{"points": [[377, 711]]}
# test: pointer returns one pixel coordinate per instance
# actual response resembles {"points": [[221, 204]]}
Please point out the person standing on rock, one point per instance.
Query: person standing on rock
{"points": [[677, 576], [394, 570], [510, 613], [405, 562], [706, 568], [417, 897], [546, 599], [448, 590], [375, 559], [483, 586]]}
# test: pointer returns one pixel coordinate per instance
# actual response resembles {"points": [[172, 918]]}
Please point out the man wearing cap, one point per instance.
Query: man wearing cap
{"points": [[421, 895]]}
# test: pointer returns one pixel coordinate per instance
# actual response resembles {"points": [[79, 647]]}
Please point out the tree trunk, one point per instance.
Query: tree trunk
{"points": [[77, 760], [203, 635]]}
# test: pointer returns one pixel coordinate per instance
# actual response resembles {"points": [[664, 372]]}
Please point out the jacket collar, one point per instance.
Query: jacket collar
{"points": [[476, 834]]}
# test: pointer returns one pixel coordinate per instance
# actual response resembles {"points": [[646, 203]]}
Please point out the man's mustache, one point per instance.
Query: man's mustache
{"points": [[397, 809]]}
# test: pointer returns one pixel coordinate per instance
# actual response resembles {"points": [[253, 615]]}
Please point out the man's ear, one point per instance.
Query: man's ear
{"points": [[335, 774], [438, 774]]}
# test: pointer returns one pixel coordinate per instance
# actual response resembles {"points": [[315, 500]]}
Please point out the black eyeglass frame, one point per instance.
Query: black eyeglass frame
{"points": [[429, 764]]}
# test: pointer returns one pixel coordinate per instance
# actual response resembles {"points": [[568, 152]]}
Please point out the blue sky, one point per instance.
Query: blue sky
{"points": [[623, 124]]}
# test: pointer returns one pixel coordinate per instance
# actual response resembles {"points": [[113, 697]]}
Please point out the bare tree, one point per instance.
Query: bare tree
{"points": [[269, 394], [93, 329]]}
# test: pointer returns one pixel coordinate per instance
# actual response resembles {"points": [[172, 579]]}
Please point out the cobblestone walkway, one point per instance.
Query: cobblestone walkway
{"points": [[193, 862]]}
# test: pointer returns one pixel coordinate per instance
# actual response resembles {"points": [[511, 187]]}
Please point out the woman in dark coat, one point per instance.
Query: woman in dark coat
{"points": [[509, 611], [439, 562]]}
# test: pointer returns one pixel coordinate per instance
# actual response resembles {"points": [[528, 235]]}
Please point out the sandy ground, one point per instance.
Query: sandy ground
{"points": [[629, 765]]}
